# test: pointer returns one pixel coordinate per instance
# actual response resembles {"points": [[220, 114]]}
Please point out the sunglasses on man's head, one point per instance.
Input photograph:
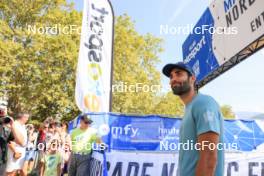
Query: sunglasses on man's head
{"points": [[86, 122]]}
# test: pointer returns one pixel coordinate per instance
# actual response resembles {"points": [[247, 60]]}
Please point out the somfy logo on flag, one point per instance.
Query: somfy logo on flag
{"points": [[94, 69]]}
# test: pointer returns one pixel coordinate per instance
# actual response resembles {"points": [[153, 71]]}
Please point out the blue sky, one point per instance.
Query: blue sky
{"points": [[241, 87]]}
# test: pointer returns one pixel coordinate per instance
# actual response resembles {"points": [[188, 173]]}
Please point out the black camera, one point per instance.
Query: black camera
{"points": [[5, 120]]}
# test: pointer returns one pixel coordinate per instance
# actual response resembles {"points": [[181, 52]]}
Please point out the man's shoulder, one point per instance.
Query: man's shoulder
{"points": [[19, 125], [204, 97], [206, 100], [93, 129], [74, 131]]}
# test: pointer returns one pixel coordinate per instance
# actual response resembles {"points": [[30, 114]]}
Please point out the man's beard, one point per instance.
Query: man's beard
{"points": [[182, 89]]}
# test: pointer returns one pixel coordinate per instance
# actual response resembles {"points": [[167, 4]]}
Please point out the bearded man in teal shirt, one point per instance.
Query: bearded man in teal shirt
{"points": [[201, 128]]}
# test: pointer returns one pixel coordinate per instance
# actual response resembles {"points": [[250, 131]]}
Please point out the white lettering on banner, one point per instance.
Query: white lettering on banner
{"points": [[192, 45], [168, 131], [196, 68], [195, 50], [127, 130]]}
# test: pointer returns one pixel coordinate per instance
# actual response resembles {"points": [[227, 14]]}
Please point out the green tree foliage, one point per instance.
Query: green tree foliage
{"points": [[134, 62], [37, 67], [136, 57], [227, 112], [169, 105]]}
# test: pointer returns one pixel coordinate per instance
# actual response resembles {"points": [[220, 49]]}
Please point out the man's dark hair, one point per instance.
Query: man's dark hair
{"points": [[65, 123], [21, 114], [194, 84], [189, 74]]}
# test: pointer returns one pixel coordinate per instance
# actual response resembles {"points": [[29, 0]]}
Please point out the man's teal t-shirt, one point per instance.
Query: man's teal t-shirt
{"points": [[202, 115]]}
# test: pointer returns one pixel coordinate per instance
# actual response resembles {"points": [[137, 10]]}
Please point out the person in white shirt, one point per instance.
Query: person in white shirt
{"points": [[30, 148], [17, 148]]}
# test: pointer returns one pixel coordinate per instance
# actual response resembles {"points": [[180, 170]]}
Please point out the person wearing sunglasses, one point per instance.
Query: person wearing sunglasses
{"points": [[82, 139]]}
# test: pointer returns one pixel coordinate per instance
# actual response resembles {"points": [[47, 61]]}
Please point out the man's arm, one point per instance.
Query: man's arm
{"points": [[68, 140], [19, 138], [42, 167], [59, 169], [208, 158], [11, 145], [98, 140]]}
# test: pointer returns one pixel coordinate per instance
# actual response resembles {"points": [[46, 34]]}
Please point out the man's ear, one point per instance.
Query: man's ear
{"points": [[193, 78]]}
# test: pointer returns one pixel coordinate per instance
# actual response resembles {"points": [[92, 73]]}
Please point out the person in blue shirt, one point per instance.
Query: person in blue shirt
{"points": [[201, 148]]}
